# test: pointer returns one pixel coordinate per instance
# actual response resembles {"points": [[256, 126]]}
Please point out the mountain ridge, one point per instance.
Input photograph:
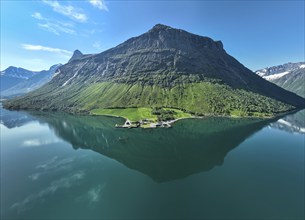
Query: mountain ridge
{"points": [[24, 83], [164, 67], [290, 76]]}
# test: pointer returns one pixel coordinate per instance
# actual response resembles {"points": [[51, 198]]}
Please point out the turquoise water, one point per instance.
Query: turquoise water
{"points": [[60, 166]]}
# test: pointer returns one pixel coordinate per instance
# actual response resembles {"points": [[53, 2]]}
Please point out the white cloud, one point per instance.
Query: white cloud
{"points": [[97, 45], [38, 16], [47, 49], [100, 4], [67, 10], [53, 26], [56, 28]]}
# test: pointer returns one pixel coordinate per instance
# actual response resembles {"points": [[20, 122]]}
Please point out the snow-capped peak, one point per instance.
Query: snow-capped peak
{"points": [[276, 72]]}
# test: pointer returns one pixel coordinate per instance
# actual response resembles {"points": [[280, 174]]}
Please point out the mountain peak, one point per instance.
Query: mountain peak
{"points": [[77, 52], [76, 55], [161, 27]]}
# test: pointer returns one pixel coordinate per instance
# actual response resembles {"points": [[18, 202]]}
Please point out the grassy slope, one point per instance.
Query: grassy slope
{"points": [[133, 114], [196, 98]]}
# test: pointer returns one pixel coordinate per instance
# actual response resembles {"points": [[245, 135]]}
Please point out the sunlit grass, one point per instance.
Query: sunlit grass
{"points": [[179, 113], [133, 114], [136, 114]]}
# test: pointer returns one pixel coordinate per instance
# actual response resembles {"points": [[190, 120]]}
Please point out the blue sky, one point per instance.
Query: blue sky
{"points": [[38, 34]]}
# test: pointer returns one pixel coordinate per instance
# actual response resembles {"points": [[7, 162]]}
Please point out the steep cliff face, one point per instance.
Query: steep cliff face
{"points": [[162, 67], [162, 51]]}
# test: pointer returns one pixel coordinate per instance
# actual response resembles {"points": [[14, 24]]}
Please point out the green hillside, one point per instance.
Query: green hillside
{"points": [[203, 98]]}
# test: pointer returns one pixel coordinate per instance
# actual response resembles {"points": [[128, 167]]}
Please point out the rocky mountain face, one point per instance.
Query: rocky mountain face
{"points": [[161, 52], [162, 67], [290, 76], [76, 55], [24, 81]]}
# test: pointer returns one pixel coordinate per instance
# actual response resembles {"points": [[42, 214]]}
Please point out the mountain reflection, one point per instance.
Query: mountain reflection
{"points": [[12, 119], [190, 147], [293, 123]]}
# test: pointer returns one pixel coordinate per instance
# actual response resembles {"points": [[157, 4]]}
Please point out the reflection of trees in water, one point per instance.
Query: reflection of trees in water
{"points": [[191, 146]]}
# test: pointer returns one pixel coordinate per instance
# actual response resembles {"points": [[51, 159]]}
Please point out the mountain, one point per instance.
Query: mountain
{"points": [[275, 72], [76, 55], [14, 75], [28, 80], [290, 76], [18, 72], [164, 67]]}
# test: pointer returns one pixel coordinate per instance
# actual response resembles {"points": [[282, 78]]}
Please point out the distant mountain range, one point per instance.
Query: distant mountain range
{"points": [[18, 81], [290, 76], [164, 67]]}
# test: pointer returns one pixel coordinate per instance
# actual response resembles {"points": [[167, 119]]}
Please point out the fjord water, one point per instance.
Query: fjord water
{"points": [[55, 165]]}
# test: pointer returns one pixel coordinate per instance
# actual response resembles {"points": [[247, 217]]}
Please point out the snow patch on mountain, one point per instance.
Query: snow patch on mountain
{"points": [[276, 72], [55, 74], [275, 76]]}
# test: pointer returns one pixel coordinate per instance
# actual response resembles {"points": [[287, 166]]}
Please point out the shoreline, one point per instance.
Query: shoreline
{"points": [[170, 122]]}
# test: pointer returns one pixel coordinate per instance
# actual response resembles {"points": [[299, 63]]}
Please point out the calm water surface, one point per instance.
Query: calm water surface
{"points": [[56, 165]]}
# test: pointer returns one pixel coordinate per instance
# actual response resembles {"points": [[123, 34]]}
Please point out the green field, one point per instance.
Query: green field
{"points": [[133, 114], [136, 114]]}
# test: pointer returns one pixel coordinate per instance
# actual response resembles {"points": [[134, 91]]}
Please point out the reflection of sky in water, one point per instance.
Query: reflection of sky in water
{"points": [[68, 176], [52, 176], [52, 165], [53, 187], [43, 172], [32, 134]]}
